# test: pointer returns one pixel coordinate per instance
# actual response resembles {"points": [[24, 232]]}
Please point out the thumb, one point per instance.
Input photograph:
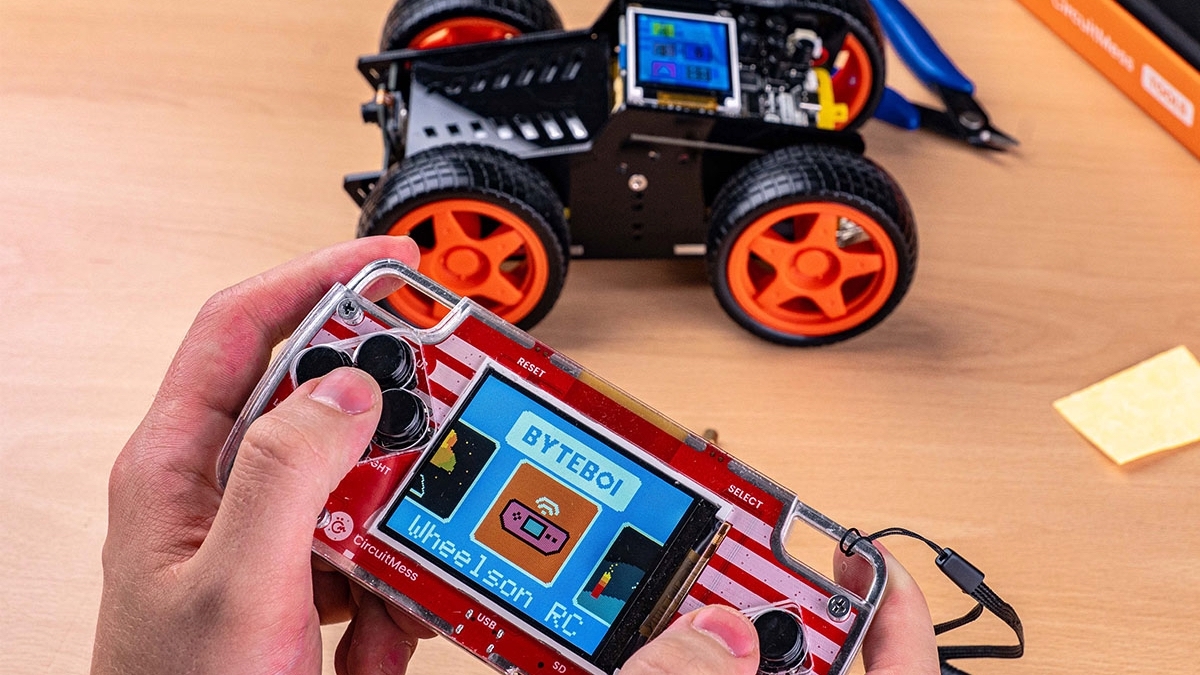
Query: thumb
{"points": [[900, 640], [715, 640], [289, 461]]}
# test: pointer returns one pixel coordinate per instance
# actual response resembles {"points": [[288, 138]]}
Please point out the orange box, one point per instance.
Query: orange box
{"points": [[1133, 57]]}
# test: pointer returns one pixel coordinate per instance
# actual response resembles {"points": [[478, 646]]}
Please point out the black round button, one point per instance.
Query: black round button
{"points": [[404, 421], [386, 358], [319, 361], [780, 641]]}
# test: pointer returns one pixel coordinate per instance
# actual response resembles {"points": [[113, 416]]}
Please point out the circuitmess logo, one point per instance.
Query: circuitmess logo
{"points": [[1089, 28], [1168, 96]]}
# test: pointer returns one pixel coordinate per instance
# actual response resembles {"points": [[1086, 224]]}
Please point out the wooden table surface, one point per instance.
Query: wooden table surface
{"points": [[152, 153]]}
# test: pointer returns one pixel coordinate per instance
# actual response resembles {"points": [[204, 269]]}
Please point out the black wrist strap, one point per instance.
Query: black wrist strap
{"points": [[968, 578]]}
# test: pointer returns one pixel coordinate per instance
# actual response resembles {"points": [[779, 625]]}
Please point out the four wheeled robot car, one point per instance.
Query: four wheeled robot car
{"points": [[669, 128]]}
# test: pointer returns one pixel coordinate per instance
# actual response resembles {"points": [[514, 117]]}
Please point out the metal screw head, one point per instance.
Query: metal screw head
{"points": [[350, 312], [839, 607], [323, 519], [638, 182], [971, 120]]}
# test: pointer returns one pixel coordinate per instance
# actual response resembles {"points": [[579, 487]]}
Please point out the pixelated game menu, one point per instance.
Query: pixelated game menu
{"points": [[683, 53], [538, 513]]}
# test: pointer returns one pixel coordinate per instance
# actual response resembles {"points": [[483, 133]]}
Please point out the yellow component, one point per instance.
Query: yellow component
{"points": [[1150, 407], [691, 101], [637, 407], [618, 83], [832, 113], [444, 458]]}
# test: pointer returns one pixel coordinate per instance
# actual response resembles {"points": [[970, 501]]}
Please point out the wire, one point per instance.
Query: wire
{"points": [[968, 578]]}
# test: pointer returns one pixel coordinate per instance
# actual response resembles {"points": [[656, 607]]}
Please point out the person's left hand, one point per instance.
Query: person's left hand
{"points": [[199, 583]]}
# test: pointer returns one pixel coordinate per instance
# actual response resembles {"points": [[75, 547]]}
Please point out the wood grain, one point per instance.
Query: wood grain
{"points": [[153, 153]]}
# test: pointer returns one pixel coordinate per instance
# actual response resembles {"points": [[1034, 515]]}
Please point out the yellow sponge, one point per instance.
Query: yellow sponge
{"points": [[1151, 407]]}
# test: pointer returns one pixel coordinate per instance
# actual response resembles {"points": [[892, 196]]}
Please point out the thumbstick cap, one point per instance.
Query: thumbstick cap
{"points": [[780, 641], [386, 358], [319, 361], [403, 422]]}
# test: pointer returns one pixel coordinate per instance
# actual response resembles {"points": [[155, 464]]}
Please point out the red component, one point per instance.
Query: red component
{"points": [[462, 31], [852, 78]]}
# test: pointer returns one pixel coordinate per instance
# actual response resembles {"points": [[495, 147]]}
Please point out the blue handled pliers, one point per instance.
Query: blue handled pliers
{"points": [[963, 117]]}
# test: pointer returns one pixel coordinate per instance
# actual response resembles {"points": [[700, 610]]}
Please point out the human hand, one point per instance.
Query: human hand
{"points": [[721, 641], [900, 640], [199, 583]]}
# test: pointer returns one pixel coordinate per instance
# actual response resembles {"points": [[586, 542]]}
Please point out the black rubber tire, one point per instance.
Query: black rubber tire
{"points": [[408, 18], [862, 21], [475, 172], [809, 173]]}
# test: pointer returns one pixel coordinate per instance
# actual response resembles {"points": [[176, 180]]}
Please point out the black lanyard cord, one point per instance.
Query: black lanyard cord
{"points": [[968, 578]]}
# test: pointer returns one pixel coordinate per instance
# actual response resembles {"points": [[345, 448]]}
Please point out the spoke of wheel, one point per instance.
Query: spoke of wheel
{"points": [[775, 294], [499, 288], [772, 248], [501, 246], [829, 300], [824, 233], [448, 229], [859, 264]]}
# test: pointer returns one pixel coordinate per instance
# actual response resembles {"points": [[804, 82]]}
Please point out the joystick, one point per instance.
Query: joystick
{"points": [[404, 421], [388, 359], [319, 361], [781, 643]]}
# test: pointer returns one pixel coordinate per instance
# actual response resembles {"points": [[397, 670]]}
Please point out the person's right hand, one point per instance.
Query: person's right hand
{"points": [[718, 640], [900, 640]]}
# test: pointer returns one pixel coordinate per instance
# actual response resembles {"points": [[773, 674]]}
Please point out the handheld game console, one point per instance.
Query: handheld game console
{"points": [[540, 517]]}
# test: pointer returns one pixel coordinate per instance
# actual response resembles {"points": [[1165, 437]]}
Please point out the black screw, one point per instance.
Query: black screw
{"points": [[839, 607]]}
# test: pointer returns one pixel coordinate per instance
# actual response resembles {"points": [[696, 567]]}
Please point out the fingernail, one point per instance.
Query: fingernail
{"points": [[397, 658], [728, 627], [346, 390]]}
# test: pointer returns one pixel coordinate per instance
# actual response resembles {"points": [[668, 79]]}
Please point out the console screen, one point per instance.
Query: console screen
{"points": [[543, 516], [683, 52]]}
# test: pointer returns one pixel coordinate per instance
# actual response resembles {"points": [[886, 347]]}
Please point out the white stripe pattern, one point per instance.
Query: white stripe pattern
{"points": [[742, 598], [774, 577], [448, 378], [462, 350], [751, 526]]}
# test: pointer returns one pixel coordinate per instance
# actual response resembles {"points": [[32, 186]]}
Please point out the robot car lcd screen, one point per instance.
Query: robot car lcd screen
{"points": [[539, 514], [683, 53]]}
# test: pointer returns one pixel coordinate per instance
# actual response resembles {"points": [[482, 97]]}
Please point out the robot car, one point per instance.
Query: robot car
{"points": [[669, 128]]}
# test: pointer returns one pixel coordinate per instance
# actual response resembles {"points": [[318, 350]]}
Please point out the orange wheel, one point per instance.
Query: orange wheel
{"points": [[478, 249], [462, 31], [489, 227], [853, 79], [810, 245], [814, 268], [432, 24]]}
